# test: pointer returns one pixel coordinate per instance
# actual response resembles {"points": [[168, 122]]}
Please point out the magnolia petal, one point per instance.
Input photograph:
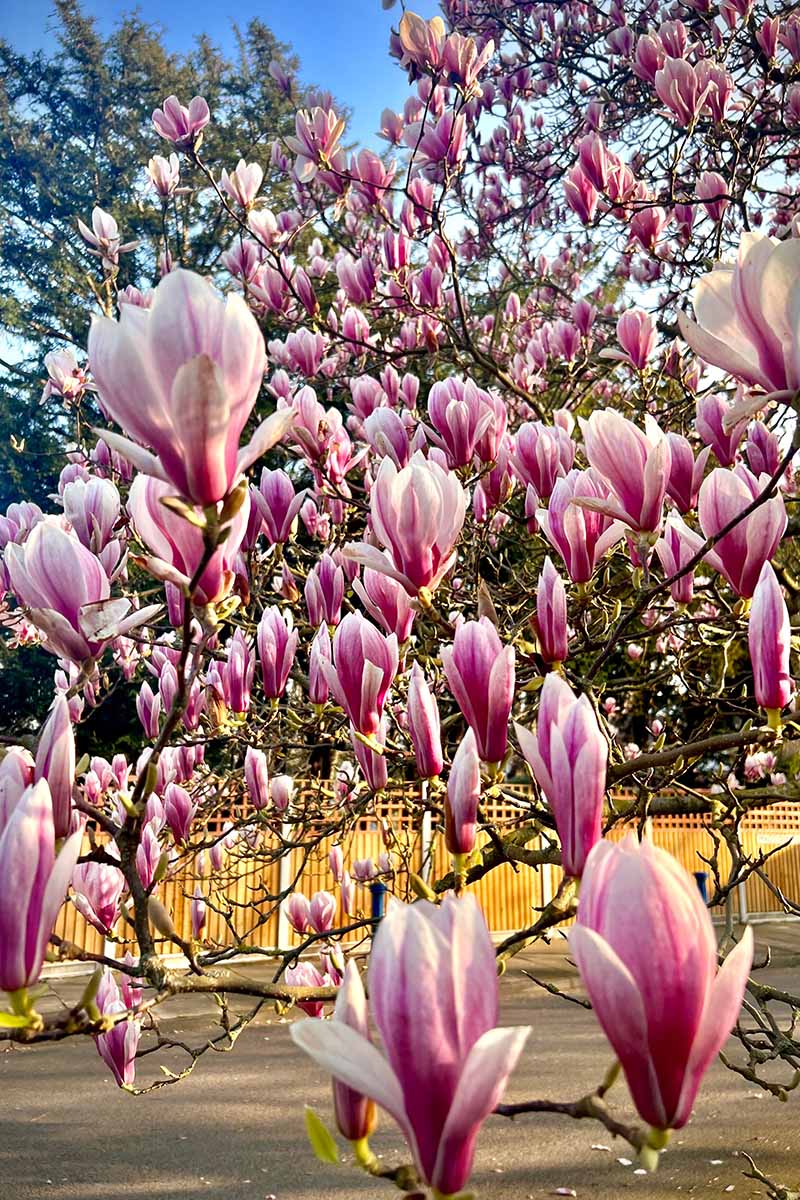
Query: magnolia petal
{"points": [[721, 1013], [376, 560], [267, 435], [133, 453], [618, 1007], [480, 1087], [349, 1057]]}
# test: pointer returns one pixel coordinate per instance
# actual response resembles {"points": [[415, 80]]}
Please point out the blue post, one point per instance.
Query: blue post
{"points": [[701, 877], [378, 891]]}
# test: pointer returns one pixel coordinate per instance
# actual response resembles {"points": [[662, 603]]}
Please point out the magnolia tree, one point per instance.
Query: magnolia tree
{"points": [[526, 387]]}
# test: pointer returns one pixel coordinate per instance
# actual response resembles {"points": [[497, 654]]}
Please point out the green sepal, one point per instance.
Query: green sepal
{"points": [[320, 1137]]}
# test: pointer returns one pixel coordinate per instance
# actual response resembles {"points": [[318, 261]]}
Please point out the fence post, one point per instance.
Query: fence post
{"points": [[426, 836], [741, 892], [284, 879]]}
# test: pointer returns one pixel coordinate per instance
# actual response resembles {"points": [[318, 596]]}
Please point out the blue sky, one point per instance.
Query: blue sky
{"points": [[342, 44]]}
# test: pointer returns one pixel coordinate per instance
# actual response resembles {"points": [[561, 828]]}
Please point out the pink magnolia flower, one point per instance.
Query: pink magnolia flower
{"points": [[636, 335], [64, 377], [319, 653], [463, 797], [417, 514], [256, 777], [635, 465], [242, 183], [305, 974], [581, 194], [55, 762], [180, 810], [386, 433], [92, 507], [281, 791], [164, 175], [713, 191], [181, 377], [33, 884], [199, 912], [324, 591], [683, 88], [238, 672], [277, 504], [181, 125], [569, 757], [551, 615], [104, 239], [762, 449], [316, 143], [580, 535], [446, 1063], [460, 414], [277, 646], [98, 887], [322, 912], [424, 725], [647, 953], [364, 667], [67, 594], [118, 1046], [176, 545], [298, 912], [422, 42], [740, 554], [480, 674], [675, 548], [769, 638], [371, 177], [685, 472], [542, 454], [387, 602], [744, 315], [716, 430], [438, 144]]}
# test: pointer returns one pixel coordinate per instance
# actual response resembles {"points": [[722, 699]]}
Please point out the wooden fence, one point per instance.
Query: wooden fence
{"points": [[238, 895]]}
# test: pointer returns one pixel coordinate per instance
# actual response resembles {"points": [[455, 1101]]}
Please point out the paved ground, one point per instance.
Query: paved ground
{"points": [[233, 1131]]}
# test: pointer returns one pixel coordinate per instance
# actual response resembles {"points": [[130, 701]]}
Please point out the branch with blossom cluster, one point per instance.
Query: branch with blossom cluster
{"points": [[491, 496]]}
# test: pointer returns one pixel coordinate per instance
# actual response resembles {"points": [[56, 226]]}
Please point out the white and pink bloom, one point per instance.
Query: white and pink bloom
{"points": [[463, 797], [446, 1063], [98, 887], [417, 514], [480, 674], [569, 758], [117, 1047], [746, 315], [740, 554], [277, 646], [176, 545], [770, 638], [635, 465], [33, 884], [364, 666], [424, 725], [66, 592], [647, 953], [580, 535], [181, 378], [182, 125]]}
